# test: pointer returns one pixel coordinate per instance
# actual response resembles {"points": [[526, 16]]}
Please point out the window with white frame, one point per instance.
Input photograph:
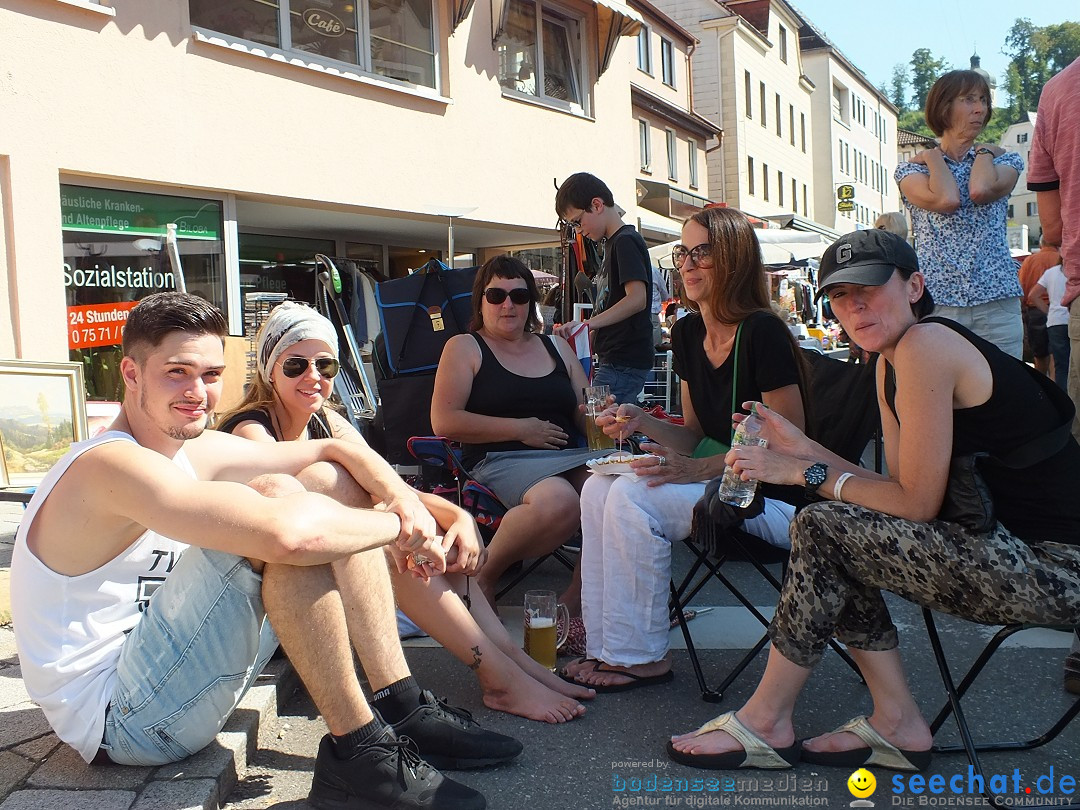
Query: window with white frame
{"points": [[645, 144], [761, 93], [750, 175], [802, 130], [794, 196], [693, 147], [783, 44], [1032, 209], [540, 53], [765, 181], [390, 38], [1021, 137], [747, 85], [779, 117], [667, 62], [644, 50], [672, 156], [780, 188], [791, 123]]}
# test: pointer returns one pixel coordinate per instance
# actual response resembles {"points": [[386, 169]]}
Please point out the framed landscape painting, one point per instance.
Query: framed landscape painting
{"points": [[42, 411]]}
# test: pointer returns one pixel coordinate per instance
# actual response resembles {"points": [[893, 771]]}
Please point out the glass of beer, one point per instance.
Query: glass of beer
{"points": [[596, 397], [542, 614]]}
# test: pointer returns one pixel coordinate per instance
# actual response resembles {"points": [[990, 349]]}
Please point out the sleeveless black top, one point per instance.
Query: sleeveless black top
{"points": [[1036, 503], [499, 392], [316, 427]]}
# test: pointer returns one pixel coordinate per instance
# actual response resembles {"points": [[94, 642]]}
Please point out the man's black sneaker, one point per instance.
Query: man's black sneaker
{"points": [[450, 739], [386, 774]]}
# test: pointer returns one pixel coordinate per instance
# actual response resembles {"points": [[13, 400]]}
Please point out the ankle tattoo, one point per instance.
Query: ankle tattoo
{"points": [[477, 655]]}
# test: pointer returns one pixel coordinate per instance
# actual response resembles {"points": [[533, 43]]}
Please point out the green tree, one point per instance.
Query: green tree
{"points": [[1035, 55], [897, 92], [925, 70]]}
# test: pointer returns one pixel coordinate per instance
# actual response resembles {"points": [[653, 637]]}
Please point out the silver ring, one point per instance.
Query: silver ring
{"points": [[663, 460], [419, 560]]}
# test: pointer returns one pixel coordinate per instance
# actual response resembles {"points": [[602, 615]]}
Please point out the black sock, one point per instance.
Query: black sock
{"points": [[395, 701], [349, 745]]}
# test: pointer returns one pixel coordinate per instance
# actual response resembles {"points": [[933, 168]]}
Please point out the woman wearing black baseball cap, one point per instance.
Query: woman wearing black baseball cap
{"points": [[943, 393]]}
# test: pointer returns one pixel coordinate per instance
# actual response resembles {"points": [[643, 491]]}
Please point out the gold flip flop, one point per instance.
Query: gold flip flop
{"points": [[756, 752]]}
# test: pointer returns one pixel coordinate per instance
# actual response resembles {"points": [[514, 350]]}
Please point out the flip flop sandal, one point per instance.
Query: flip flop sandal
{"points": [[878, 751], [756, 752], [635, 682], [562, 673]]}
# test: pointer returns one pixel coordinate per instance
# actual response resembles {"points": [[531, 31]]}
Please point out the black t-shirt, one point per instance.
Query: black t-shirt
{"points": [[630, 341], [766, 362]]}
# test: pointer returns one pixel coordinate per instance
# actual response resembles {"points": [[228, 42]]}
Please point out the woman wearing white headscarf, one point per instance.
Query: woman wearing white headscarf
{"points": [[287, 401]]}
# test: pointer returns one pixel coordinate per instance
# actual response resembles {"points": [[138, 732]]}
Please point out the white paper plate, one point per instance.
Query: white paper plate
{"points": [[620, 467]]}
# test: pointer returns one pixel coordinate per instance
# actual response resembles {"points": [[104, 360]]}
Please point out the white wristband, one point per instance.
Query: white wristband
{"points": [[839, 486]]}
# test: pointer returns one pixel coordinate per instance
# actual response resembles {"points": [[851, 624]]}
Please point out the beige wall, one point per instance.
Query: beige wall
{"points": [[136, 98], [826, 71]]}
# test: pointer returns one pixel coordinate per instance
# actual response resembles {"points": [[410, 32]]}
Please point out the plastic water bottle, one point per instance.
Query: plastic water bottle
{"points": [[733, 489]]}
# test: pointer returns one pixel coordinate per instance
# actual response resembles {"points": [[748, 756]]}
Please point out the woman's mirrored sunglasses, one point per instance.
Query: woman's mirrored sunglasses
{"points": [[701, 254], [496, 295], [293, 367]]}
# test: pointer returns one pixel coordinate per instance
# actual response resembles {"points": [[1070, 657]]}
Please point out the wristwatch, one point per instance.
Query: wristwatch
{"points": [[815, 477], [982, 150]]}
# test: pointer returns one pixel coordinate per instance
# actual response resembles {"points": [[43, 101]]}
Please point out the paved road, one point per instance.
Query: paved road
{"points": [[585, 763]]}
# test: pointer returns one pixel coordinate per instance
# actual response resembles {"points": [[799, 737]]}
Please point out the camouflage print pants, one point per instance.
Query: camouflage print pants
{"points": [[843, 556]]}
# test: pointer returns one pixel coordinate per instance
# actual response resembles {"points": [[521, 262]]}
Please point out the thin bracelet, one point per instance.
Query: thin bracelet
{"points": [[839, 485]]}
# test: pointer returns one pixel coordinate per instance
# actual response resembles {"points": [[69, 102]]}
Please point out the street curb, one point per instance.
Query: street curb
{"points": [[44, 773]]}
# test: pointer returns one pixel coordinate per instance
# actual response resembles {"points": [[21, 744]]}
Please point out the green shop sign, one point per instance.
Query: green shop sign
{"points": [[101, 210]]}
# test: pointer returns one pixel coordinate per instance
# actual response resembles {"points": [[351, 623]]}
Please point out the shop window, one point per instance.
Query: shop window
{"points": [[280, 264], [391, 38], [114, 255], [539, 53]]}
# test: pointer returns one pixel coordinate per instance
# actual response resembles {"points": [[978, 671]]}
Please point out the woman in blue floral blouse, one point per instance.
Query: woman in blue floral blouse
{"points": [[957, 195]]}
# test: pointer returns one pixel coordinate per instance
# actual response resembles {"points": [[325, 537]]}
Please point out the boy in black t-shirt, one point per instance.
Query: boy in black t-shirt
{"points": [[621, 315]]}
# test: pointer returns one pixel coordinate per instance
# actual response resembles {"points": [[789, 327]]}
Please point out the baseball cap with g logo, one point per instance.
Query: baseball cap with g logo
{"points": [[864, 257]]}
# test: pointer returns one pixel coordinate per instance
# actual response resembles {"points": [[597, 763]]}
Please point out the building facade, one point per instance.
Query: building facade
{"points": [[673, 140], [1023, 211], [270, 132], [854, 139]]}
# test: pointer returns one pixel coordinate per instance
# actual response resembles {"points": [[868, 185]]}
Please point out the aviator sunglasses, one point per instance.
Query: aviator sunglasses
{"points": [[293, 367], [496, 295]]}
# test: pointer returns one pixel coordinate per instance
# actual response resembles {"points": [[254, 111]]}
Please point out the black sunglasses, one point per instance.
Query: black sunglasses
{"points": [[293, 367], [496, 295]]}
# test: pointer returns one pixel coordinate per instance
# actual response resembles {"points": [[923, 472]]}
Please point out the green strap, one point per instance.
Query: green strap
{"points": [[735, 377]]}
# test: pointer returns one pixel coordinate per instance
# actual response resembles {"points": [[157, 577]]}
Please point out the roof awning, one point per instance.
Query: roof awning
{"points": [[670, 202], [613, 20]]}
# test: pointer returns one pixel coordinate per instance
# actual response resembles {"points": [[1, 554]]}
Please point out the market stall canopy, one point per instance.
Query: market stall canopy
{"points": [[461, 11], [542, 277], [800, 245], [613, 20]]}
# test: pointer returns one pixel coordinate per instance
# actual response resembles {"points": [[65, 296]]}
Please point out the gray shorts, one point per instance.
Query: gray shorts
{"points": [[512, 473], [199, 646]]}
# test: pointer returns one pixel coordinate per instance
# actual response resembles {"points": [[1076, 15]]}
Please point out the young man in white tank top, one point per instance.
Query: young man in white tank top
{"points": [[153, 560]]}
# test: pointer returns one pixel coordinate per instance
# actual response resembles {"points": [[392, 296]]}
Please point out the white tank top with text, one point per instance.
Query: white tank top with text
{"points": [[70, 630]]}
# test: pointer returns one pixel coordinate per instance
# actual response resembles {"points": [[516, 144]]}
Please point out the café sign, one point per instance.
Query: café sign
{"points": [[132, 213], [324, 22]]}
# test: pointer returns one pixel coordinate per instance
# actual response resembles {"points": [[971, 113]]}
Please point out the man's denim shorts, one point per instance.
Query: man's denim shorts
{"points": [[201, 643]]}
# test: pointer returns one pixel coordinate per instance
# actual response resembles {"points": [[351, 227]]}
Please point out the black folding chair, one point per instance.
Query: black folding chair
{"points": [[476, 499], [843, 416], [952, 707]]}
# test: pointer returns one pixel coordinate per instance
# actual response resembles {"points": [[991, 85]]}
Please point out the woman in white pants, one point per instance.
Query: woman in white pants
{"points": [[732, 350]]}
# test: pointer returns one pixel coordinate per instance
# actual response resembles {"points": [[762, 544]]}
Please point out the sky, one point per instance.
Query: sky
{"points": [[877, 34]]}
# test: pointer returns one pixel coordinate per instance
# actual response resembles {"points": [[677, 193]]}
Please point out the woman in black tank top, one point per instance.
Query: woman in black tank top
{"points": [[955, 394], [511, 396]]}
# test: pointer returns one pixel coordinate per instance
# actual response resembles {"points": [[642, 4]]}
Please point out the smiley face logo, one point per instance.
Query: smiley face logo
{"points": [[861, 783]]}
